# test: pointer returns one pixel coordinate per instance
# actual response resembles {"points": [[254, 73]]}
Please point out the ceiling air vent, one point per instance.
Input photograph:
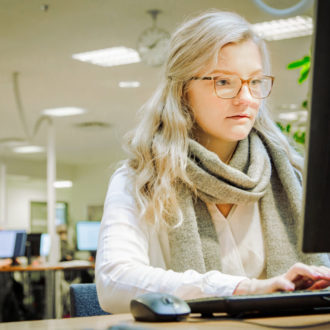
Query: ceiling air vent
{"points": [[93, 125]]}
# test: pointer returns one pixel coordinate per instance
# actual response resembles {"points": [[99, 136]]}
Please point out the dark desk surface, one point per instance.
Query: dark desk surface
{"points": [[192, 323]]}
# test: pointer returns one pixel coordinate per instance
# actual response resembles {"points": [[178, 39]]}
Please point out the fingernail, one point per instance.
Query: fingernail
{"points": [[317, 274], [289, 287]]}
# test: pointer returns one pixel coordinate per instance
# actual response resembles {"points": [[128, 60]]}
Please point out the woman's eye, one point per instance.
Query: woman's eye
{"points": [[222, 82], [256, 82]]}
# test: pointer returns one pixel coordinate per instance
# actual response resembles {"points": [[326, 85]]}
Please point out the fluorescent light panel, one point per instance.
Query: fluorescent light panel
{"points": [[63, 184], [292, 27], [129, 84], [28, 149], [109, 56], [63, 111]]}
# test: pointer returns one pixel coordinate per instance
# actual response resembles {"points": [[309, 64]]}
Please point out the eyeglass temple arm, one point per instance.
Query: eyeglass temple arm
{"points": [[202, 78]]}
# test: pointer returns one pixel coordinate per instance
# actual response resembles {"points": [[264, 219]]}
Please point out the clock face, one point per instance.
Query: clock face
{"points": [[152, 46]]}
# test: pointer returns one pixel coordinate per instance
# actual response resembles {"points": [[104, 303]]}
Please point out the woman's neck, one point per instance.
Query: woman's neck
{"points": [[224, 149]]}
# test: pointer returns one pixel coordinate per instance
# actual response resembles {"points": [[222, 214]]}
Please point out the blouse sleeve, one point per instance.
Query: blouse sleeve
{"points": [[123, 270]]}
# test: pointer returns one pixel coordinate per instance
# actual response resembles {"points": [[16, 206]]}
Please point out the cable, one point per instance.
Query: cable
{"points": [[300, 326], [39, 122], [263, 325], [19, 105]]}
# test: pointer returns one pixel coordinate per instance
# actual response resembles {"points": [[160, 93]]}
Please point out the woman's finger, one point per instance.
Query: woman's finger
{"points": [[325, 271], [300, 269], [319, 285]]}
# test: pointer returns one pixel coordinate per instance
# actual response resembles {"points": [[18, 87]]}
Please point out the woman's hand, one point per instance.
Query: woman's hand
{"points": [[298, 277]]}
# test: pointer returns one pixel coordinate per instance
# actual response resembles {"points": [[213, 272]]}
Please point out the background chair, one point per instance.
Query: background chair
{"points": [[84, 301]]}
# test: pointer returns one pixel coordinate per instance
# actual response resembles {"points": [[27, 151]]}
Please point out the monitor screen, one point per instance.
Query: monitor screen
{"points": [[44, 245], [7, 243], [87, 235], [20, 243], [33, 245], [316, 231], [12, 243]]}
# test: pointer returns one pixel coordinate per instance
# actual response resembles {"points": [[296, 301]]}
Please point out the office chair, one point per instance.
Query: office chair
{"points": [[84, 301]]}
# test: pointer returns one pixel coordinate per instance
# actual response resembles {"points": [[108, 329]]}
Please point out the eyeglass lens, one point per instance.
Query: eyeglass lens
{"points": [[229, 86]]}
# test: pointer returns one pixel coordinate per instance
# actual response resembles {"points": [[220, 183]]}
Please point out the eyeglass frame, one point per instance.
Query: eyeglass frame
{"points": [[243, 81]]}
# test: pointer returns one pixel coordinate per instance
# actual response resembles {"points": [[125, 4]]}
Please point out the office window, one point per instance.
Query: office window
{"points": [[38, 215]]}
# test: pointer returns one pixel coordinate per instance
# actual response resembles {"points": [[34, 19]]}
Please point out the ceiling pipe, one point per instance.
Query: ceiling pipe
{"points": [[54, 257], [51, 169], [3, 195], [19, 106]]}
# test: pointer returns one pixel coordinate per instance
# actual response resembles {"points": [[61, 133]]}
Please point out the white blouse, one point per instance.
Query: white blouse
{"points": [[133, 256], [242, 249]]}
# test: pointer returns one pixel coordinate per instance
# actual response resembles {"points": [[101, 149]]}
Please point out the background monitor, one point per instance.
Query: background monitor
{"points": [[316, 231], [87, 235], [20, 243], [33, 245], [12, 243], [7, 243], [44, 245], [37, 244]]}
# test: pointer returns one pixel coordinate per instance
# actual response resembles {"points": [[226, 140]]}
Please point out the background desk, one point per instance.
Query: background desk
{"points": [[103, 322], [53, 278], [45, 267]]}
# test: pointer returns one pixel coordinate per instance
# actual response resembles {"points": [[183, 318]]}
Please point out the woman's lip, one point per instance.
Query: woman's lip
{"points": [[239, 116]]}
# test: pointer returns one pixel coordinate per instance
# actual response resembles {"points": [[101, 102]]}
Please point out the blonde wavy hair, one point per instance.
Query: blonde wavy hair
{"points": [[158, 147]]}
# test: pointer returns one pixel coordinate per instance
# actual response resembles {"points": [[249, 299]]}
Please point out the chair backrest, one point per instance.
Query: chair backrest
{"points": [[84, 301]]}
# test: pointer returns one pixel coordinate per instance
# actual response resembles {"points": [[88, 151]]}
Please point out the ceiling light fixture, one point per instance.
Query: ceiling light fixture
{"points": [[109, 57], [129, 84], [292, 27], [63, 184], [63, 111], [294, 115], [28, 149]]}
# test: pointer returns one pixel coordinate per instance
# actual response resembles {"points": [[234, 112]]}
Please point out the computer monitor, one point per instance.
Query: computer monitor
{"points": [[12, 243], [33, 245], [7, 243], [87, 235], [316, 231], [20, 243], [37, 244], [44, 245]]}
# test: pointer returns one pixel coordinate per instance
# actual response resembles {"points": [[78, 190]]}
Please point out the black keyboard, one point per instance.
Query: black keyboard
{"points": [[284, 303]]}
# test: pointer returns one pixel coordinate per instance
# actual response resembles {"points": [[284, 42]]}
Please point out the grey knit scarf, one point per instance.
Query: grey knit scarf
{"points": [[259, 171]]}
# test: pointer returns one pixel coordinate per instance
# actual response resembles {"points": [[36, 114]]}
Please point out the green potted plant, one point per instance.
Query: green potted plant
{"points": [[298, 136]]}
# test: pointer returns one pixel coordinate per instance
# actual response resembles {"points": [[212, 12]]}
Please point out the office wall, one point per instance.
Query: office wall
{"points": [[89, 188], [20, 193]]}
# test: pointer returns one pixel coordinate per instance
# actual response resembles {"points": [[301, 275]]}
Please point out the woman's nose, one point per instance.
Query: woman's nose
{"points": [[244, 96]]}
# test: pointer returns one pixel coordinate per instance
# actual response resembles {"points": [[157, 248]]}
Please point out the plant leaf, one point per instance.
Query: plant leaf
{"points": [[280, 126], [298, 63], [299, 137], [304, 73]]}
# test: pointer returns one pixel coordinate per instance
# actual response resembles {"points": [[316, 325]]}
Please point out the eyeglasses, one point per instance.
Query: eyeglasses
{"points": [[228, 86]]}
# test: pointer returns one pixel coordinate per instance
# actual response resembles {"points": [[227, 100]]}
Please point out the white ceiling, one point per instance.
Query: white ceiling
{"points": [[38, 44]]}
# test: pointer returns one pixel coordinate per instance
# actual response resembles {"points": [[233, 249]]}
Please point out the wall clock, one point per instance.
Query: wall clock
{"points": [[153, 43]]}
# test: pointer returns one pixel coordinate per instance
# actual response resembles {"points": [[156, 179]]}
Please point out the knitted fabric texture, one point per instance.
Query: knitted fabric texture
{"points": [[259, 171]]}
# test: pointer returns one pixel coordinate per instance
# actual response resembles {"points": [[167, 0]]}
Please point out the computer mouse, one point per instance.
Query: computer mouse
{"points": [[159, 307]]}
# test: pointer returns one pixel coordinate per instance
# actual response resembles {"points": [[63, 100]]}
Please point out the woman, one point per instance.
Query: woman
{"points": [[208, 203]]}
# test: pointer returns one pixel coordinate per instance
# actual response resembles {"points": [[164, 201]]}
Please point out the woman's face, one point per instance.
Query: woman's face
{"points": [[220, 120]]}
